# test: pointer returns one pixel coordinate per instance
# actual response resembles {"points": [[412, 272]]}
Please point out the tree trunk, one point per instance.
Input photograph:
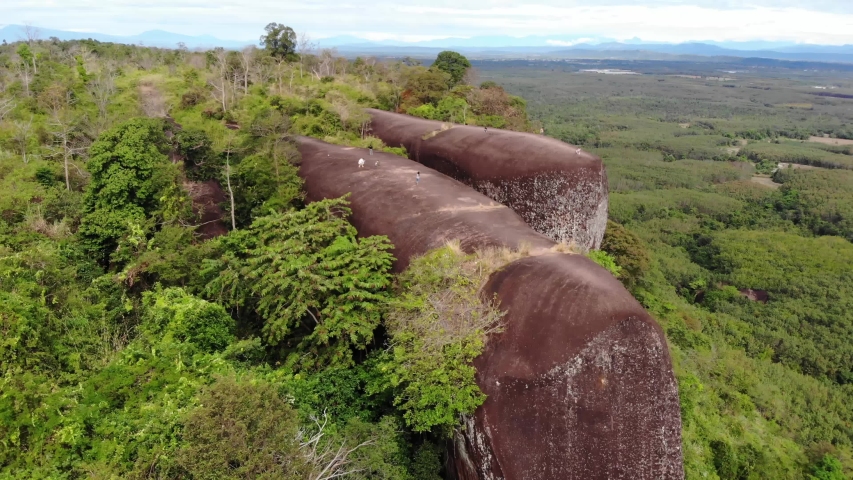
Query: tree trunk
{"points": [[65, 153], [224, 82], [230, 190]]}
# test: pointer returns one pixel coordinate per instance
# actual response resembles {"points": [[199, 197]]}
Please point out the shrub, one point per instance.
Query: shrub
{"points": [[438, 324], [605, 260], [310, 279], [242, 429], [627, 251], [195, 96], [173, 312], [46, 176]]}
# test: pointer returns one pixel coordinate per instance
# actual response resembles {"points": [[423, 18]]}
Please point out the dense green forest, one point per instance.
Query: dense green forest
{"points": [[138, 334]]}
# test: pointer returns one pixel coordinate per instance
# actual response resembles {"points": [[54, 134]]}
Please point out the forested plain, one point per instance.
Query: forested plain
{"points": [[141, 339], [747, 266]]}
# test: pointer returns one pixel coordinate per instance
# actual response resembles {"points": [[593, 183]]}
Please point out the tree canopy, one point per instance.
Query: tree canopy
{"points": [[454, 64], [279, 41]]}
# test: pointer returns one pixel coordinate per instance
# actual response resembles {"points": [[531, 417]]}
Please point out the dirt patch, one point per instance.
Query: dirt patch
{"points": [[207, 198], [798, 166], [755, 295], [830, 141], [151, 100], [766, 181]]}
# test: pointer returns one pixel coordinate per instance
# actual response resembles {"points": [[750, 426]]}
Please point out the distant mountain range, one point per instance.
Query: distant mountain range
{"points": [[151, 38], [493, 46]]}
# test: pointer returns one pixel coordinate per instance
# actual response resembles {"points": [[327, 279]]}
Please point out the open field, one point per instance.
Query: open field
{"points": [[830, 141]]}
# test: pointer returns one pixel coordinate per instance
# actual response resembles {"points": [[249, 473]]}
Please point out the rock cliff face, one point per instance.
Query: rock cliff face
{"points": [[580, 383], [558, 189]]}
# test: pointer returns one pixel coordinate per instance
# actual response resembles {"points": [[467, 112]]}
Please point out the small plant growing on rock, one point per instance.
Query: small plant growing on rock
{"points": [[605, 260]]}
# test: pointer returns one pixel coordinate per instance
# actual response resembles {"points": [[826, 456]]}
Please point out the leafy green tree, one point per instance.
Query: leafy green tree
{"points": [[173, 312], [829, 468], [129, 169], [437, 326], [627, 251], [279, 41], [200, 161], [242, 429], [261, 187], [311, 280], [428, 86], [454, 64], [453, 109]]}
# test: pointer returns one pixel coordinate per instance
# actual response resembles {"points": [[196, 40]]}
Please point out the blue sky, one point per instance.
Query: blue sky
{"points": [[801, 21]]}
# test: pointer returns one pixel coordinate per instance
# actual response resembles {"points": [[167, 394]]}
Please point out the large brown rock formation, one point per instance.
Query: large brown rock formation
{"points": [[579, 384], [558, 189]]}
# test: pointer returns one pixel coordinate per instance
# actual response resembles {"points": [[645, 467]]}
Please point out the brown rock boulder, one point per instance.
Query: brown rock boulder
{"points": [[579, 385], [558, 189]]}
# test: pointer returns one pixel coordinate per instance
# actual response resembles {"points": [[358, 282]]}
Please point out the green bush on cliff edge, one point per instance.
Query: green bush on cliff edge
{"points": [[437, 325]]}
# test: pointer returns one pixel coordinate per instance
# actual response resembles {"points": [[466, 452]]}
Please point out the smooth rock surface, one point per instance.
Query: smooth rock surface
{"points": [[557, 188], [580, 383]]}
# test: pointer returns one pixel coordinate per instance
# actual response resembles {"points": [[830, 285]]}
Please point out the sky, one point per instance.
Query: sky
{"points": [[796, 21]]}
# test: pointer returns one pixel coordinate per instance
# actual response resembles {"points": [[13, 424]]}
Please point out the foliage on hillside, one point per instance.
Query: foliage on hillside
{"points": [[128, 338]]}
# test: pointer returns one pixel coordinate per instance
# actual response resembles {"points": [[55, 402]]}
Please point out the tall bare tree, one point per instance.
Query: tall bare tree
{"points": [[247, 60], [33, 35], [24, 69], [6, 106], [21, 134], [102, 88], [326, 63], [304, 46], [219, 80], [326, 461], [228, 148], [68, 140]]}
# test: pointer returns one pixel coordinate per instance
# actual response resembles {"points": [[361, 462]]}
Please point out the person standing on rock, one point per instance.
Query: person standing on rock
{"points": [[418, 178], [360, 163]]}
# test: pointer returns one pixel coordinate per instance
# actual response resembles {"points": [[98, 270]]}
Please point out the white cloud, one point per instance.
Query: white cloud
{"points": [[814, 21]]}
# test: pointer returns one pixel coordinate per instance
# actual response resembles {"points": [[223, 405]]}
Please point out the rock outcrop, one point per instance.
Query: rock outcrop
{"points": [[558, 189], [580, 383]]}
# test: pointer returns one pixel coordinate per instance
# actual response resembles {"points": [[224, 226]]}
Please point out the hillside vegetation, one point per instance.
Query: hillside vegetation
{"points": [[132, 346], [136, 347]]}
